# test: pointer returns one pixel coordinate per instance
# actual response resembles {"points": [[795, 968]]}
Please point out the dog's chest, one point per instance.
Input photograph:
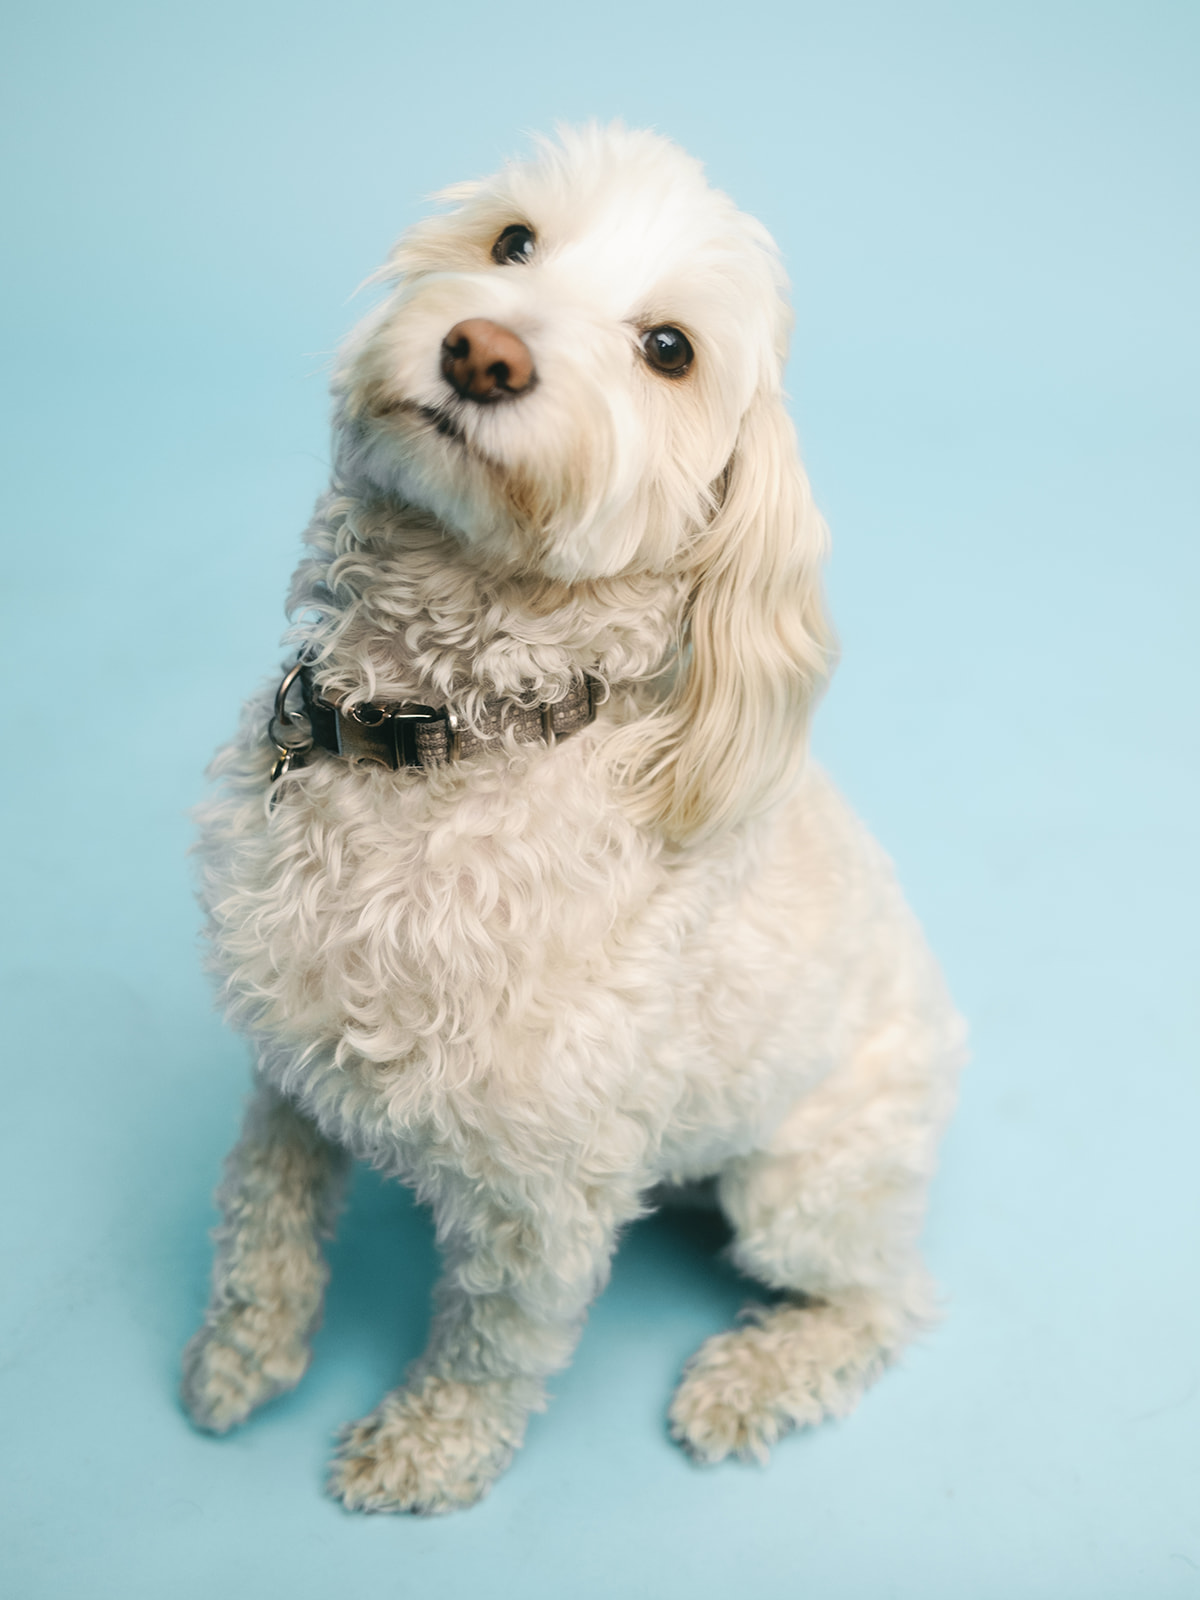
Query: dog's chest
{"points": [[455, 947]]}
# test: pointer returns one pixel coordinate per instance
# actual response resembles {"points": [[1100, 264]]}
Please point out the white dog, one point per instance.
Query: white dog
{"points": [[538, 977]]}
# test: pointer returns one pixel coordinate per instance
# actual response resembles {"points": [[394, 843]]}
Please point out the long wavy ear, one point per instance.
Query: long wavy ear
{"points": [[733, 731]]}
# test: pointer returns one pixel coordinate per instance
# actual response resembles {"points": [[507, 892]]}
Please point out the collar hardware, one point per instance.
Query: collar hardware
{"points": [[395, 734]]}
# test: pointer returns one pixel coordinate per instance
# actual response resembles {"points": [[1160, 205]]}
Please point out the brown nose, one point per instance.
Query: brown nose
{"points": [[486, 362]]}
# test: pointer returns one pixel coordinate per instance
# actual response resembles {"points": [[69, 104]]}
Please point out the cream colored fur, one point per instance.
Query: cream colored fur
{"points": [[541, 982]]}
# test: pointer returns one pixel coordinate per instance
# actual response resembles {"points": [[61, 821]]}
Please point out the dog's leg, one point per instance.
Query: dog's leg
{"points": [[508, 1312], [280, 1193], [829, 1215]]}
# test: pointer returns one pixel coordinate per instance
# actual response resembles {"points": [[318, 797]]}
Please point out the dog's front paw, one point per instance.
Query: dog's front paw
{"points": [[235, 1364], [436, 1447]]}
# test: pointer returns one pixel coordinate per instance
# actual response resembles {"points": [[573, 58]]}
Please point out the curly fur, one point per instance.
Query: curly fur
{"points": [[538, 983]]}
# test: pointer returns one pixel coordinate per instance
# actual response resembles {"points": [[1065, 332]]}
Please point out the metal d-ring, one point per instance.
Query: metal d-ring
{"points": [[282, 718], [291, 749]]}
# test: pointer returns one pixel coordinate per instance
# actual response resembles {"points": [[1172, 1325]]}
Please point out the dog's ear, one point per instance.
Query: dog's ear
{"points": [[758, 648]]}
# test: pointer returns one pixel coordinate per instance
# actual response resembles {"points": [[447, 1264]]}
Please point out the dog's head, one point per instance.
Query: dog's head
{"points": [[578, 372]]}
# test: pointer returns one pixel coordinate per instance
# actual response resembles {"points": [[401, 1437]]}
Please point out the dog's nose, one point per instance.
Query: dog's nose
{"points": [[486, 362]]}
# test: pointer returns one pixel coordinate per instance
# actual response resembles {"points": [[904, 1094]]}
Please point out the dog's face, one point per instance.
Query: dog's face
{"points": [[563, 367]]}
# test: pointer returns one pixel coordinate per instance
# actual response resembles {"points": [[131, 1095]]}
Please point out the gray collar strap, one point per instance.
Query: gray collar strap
{"points": [[399, 733]]}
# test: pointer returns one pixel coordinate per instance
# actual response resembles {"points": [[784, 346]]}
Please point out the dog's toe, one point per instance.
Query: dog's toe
{"points": [[434, 1448]]}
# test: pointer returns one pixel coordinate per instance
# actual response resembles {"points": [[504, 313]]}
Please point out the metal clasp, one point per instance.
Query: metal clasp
{"points": [[404, 727], [382, 735], [453, 734]]}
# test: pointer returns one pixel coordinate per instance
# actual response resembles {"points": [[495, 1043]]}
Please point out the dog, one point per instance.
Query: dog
{"points": [[520, 882]]}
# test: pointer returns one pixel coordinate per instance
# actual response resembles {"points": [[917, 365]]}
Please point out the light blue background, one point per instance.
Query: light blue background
{"points": [[990, 217]]}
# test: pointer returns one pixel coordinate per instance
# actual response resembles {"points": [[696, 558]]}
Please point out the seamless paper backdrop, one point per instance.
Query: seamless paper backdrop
{"points": [[989, 213]]}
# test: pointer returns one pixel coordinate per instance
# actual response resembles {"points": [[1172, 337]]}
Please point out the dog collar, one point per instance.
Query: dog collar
{"points": [[401, 733]]}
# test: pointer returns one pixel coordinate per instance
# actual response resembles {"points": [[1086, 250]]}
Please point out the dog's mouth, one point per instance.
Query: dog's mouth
{"points": [[443, 421], [445, 424]]}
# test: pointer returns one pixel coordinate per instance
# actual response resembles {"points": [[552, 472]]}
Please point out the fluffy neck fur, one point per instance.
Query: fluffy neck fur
{"points": [[399, 609]]}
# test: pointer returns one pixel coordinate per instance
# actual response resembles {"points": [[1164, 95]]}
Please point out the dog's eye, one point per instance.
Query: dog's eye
{"points": [[667, 350], [514, 244]]}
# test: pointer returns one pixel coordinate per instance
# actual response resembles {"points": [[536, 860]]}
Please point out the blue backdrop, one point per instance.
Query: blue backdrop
{"points": [[990, 217]]}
